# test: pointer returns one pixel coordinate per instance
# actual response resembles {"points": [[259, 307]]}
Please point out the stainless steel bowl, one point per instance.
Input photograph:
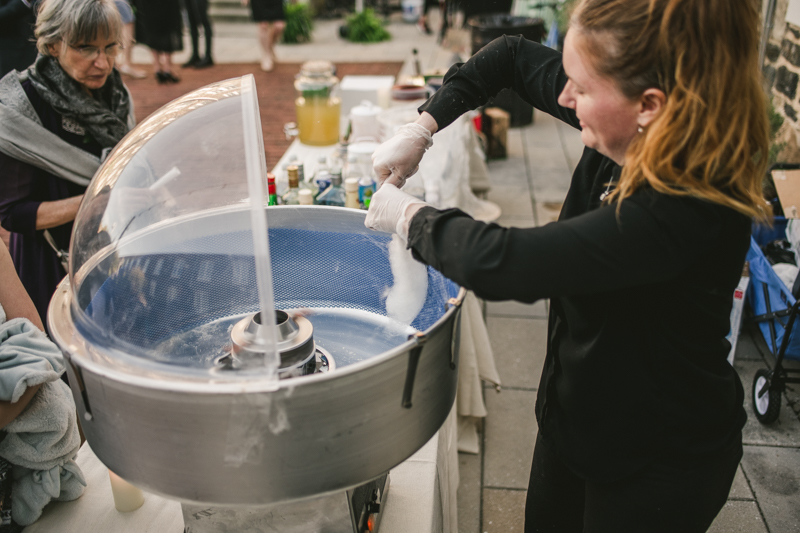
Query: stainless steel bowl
{"points": [[184, 431]]}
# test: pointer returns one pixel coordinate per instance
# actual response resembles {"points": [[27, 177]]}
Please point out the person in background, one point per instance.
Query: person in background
{"points": [[160, 27], [422, 23], [17, 47], [271, 22], [58, 120], [197, 10], [640, 414], [125, 64]]}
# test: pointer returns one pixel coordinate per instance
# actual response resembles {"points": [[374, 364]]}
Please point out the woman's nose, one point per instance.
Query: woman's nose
{"points": [[102, 61], [565, 98]]}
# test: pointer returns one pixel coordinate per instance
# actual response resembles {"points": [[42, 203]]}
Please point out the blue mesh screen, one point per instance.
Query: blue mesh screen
{"points": [[153, 297]]}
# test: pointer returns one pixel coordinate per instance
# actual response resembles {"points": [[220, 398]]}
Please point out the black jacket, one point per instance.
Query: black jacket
{"points": [[17, 46], [640, 300]]}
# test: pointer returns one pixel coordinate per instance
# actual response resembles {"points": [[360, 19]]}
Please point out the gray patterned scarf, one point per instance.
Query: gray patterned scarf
{"points": [[104, 114]]}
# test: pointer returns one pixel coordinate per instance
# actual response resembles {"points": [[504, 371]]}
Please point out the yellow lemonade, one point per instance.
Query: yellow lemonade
{"points": [[318, 120]]}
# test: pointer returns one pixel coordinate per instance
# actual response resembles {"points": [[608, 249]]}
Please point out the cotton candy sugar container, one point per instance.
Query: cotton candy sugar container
{"points": [[239, 357]]}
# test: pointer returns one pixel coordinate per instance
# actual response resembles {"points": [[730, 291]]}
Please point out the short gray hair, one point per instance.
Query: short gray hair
{"points": [[76, 22]]}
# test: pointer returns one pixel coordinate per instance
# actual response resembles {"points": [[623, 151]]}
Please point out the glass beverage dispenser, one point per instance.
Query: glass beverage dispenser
{"points": [[316, 105]]}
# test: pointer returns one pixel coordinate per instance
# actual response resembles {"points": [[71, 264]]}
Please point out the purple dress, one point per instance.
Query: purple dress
{"points": [[22, 188]]}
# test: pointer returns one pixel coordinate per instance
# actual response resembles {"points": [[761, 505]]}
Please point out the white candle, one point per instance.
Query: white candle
{"points": [[126, 497]]}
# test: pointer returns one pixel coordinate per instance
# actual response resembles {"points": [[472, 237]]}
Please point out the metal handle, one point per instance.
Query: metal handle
{"points": [[411, 372], [76, 371]]}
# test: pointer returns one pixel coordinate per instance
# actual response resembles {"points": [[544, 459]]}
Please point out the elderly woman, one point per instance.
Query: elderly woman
{"points": [[639, 412], [58, 121]]}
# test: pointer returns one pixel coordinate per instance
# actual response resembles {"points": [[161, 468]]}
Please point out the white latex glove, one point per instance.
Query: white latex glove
{"points": [[399, 157], [391, 210]]}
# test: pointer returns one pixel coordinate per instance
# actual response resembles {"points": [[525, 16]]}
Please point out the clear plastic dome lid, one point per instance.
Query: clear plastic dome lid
{"points": [[171, 251], [187, 157]]}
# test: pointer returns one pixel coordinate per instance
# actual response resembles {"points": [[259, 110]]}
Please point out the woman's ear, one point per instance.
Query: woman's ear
{"points": [[53, 49], [652, 102]]}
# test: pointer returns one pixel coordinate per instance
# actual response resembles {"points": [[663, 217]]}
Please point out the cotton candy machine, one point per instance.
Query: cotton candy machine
{"points": [[164, 323]]}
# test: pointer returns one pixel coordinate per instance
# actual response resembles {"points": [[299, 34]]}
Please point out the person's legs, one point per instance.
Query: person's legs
{"points": [[157, 64], [265, 40], [672, 494], [192, 9], [555, 498], [166, 61], [422, 23], [202, 10], [277, 31], [442, 21], [126, 65]]}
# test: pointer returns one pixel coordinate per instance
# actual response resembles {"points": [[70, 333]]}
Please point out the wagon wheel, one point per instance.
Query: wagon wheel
{"points": [[768, 406]]}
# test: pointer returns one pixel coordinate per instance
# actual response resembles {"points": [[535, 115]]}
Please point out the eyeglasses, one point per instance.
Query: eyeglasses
{"points": [[90, 53]]}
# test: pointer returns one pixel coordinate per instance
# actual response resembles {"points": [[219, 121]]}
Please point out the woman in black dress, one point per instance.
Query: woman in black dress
{"points": [[271, 22], [160, 27]]}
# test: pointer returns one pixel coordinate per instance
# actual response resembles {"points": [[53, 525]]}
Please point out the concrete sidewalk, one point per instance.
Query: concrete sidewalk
{"points": [[529, 186], [238, 43]]}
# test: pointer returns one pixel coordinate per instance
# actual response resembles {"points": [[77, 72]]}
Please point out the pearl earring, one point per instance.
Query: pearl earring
{"points": [[639, 129]]}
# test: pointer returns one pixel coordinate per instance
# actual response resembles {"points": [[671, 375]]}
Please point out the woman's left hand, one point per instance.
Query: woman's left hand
{"points": [[391, 210]]}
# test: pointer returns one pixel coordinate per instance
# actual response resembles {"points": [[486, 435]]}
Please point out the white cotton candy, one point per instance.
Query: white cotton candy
{"points": [[404, 300]]}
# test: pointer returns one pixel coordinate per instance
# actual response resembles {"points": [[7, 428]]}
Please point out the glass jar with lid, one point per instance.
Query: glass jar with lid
{"points": [[317, 105]]}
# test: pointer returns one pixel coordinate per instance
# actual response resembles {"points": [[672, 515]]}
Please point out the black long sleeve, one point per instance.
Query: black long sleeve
{"points": [[530, 69], [652, 239], [640, 299]]}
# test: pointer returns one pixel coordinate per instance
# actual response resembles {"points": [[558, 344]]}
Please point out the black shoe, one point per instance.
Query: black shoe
{"points": [[162, 77], [192, 63], [169, 77], [204, 63]]}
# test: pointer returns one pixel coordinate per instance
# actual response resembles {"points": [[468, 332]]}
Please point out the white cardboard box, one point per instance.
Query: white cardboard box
{"points": [[355, 89]]}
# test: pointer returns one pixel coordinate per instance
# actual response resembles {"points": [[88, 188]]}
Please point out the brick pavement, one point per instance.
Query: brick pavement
{"points": [[276, 93]]}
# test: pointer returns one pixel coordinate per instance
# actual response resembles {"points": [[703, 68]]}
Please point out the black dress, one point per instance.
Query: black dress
{"points": [[267, 10], [159, 24], [640, 300]]}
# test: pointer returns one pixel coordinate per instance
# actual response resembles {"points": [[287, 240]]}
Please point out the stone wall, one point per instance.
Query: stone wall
{"points": [[781, 77]]}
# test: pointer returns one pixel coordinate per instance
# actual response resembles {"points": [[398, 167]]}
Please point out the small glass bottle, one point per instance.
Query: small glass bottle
{"points": [[290, 197], [272, 191], [305, 182], [339, 157], [353, 170], [366, 188], [305, 197], [351, 193], [322, 174], [333, 195]]}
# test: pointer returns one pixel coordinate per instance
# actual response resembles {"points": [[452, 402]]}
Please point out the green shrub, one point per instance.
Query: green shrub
{"points": [[298, 24], [365, 27]]}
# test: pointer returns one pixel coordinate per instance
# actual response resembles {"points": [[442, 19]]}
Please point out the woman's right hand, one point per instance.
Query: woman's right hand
{"points": [[398, 159]]}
